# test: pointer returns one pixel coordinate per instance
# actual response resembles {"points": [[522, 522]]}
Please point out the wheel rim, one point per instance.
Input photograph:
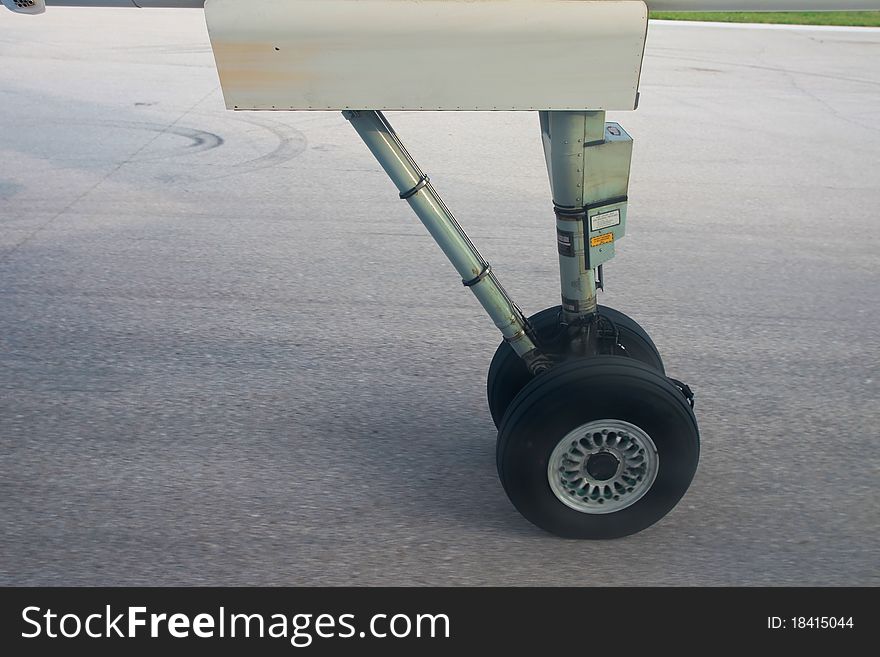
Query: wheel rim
{"points": [[603, 466]]}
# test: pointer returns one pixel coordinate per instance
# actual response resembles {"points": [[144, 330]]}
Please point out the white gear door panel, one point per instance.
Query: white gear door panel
{"points": [[428, 55]]}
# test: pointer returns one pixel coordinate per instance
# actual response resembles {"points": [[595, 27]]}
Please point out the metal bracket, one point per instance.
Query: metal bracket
{"points": [[486, 271], [685, 390], [415, 190]]}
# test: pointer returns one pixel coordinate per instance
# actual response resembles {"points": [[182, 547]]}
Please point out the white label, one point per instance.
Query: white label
{"points": [[605, 220]]}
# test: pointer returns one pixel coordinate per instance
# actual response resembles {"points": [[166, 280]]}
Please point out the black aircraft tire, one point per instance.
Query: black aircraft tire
{"points": [[597, 448], [508, 374]]}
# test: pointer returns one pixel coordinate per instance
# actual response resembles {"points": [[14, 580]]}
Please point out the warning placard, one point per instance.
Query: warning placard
{"points": [[607, 238], [605, 220]]}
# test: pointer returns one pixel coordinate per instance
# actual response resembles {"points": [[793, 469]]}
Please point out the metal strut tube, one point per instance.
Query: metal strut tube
{"points": [[566, 135], [475, 272]]}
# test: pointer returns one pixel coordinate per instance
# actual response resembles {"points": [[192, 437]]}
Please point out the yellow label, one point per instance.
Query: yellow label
{"points": [[607, 238]]}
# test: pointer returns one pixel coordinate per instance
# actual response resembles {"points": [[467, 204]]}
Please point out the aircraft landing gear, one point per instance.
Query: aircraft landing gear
{"points": [[594, 441]]}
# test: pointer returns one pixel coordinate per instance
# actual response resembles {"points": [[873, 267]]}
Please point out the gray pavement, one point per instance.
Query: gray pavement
{"points": [[203, 380]]}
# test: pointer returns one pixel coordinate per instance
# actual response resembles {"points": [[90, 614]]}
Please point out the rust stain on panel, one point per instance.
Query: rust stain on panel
{"points": [[255, 66]]}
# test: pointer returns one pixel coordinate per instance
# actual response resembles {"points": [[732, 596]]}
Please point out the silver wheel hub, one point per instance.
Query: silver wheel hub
{"points": [[603, 466]]}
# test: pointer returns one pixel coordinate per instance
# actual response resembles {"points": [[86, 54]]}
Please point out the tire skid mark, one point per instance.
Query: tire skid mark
{"points": [[200, 140], [291, 144]]}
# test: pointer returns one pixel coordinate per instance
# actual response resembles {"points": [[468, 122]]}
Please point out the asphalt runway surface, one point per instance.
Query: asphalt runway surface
{"points": [[230, 355]]}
